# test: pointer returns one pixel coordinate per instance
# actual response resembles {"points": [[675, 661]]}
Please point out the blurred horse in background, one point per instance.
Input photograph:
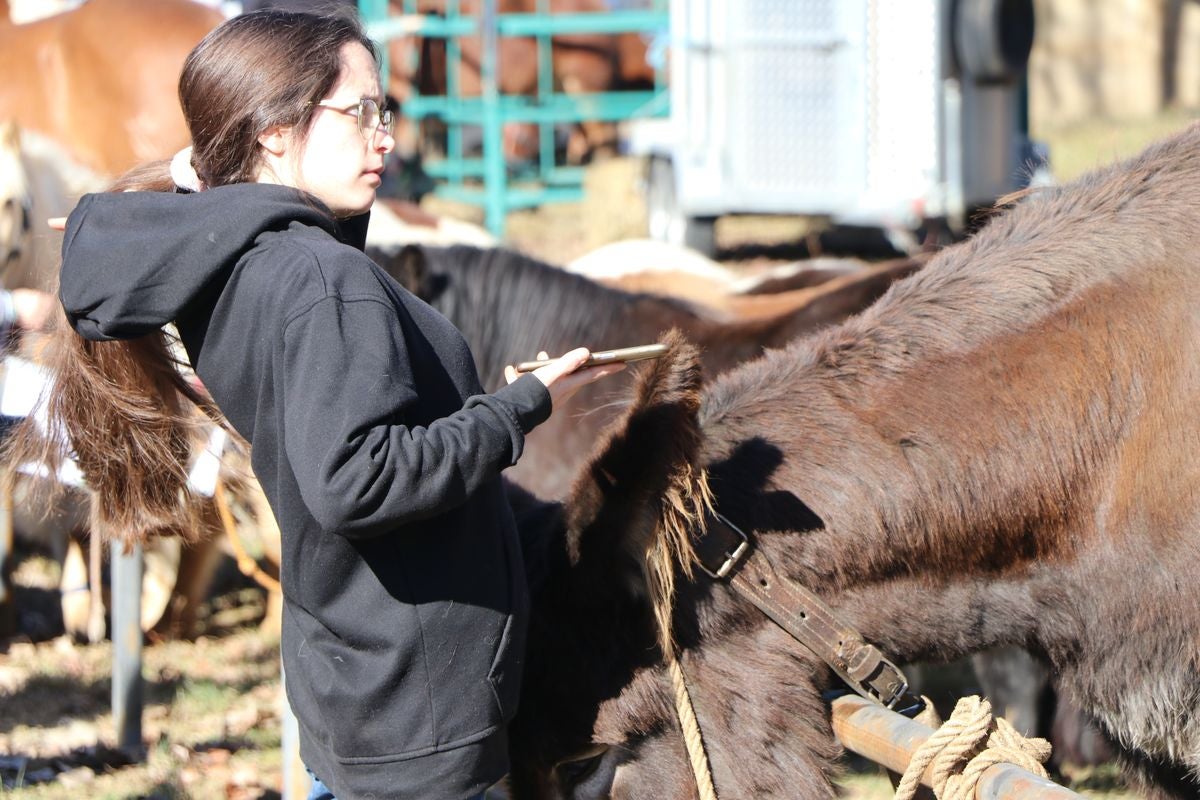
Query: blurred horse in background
{"points": [[102, 79], [651, 267], [38, 180], [582, 63], [509, 306]]}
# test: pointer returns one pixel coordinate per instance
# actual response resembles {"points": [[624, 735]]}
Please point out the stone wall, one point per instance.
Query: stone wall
{"points": [[1116, 59]]}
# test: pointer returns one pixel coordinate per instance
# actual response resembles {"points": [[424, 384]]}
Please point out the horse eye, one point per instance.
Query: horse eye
{"points": [[574, 772]]}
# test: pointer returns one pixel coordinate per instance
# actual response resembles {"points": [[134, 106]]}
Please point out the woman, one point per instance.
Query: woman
{"points": [[405, 603]]}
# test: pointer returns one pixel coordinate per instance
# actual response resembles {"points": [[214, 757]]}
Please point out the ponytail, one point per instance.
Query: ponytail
{"points": [[126, 413]]}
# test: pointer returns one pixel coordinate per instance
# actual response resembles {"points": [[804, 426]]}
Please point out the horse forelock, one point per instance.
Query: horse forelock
{"points": [[687, 501], [649, 457]]}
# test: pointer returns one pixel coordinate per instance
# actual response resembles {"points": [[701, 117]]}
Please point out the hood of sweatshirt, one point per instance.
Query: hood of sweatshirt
{"points": [[133, 261]]}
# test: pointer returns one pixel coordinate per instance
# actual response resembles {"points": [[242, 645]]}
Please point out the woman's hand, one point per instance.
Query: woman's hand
{"points": [[564, 377]]}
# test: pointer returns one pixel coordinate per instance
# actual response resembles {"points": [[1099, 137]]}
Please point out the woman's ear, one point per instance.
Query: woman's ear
{"points": [[274, 140]]}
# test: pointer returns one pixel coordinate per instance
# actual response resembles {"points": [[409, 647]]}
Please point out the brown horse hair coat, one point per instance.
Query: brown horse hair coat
{"points": [[1001, 450]]}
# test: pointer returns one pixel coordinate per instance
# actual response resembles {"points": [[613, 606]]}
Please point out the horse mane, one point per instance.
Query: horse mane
{"points": [[510, 305], [1023, 267], [905, 417]]}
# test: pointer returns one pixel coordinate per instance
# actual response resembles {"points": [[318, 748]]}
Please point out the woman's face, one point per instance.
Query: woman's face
{"points": [[335, 163]]}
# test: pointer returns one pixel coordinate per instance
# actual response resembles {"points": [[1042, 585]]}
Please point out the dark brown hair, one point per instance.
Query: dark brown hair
{"points": [[128, 413], [254, 72]]}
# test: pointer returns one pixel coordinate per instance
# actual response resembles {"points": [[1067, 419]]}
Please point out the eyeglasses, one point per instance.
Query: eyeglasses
{"points": [[370, 117]]}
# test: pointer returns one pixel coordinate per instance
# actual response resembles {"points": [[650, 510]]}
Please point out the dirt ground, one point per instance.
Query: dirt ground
{"points": [[211, 726]]}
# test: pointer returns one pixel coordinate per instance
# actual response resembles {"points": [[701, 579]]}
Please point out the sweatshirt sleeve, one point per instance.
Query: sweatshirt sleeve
{"points": [[363, 468]]}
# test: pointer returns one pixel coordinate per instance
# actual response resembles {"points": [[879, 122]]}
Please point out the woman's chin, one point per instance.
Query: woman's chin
{"points": [[360, 205]]}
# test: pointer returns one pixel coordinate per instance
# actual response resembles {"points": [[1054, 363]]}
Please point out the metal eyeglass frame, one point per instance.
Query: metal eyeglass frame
{"points": [[364, 109]]}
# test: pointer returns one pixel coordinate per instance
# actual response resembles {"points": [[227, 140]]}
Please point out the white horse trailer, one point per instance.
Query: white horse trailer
{"points": [[863, 112]]}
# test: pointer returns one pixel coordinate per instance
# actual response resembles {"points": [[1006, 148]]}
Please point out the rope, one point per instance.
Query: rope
{"points": [[248, 566], [965, 747], [691, 731]]}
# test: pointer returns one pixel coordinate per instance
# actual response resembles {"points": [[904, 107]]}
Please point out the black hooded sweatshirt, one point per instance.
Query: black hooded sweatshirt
{"points": [[404, 591]]}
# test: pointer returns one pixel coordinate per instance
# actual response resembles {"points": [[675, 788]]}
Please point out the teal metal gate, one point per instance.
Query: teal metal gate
{"points": [[489, 181]]}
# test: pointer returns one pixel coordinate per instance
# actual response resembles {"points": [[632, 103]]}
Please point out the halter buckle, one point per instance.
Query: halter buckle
{"points": [[733, 557]]}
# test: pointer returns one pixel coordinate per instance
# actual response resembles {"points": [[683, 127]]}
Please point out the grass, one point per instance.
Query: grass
{"points": [[1078, 148], [211, 724]]}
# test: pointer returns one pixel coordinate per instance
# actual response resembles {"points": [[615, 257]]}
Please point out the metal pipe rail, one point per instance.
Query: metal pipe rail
{"points": [[504, 188], [891, 739], [518, 24]]}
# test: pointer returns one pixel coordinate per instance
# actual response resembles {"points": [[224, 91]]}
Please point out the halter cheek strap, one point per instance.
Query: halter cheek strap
{"points": [[726, 553]]}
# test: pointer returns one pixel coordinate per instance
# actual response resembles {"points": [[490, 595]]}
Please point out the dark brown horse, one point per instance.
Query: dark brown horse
{"points": [[510, 306], [101, 79], [1000, 450]]}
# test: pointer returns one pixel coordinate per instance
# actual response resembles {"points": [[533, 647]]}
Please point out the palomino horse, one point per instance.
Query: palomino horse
{"points": [[510, 306], [38, 180], [1000, 450], [102, 79]]}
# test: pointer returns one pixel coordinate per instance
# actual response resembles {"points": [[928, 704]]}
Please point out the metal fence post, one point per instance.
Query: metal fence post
{"points": [[126, 570], [7, 604], [495, 177], [891, 739]]}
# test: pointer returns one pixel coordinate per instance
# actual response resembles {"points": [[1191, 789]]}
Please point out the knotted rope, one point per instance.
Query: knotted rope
{"points": [[964, 747], [691, 731]]}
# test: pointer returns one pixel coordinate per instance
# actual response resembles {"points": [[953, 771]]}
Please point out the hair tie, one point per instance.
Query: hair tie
{"points": [[184, 174]]}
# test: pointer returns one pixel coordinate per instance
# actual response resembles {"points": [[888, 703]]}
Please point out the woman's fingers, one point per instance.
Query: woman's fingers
{"points": [[563, 365], [572, 382]]}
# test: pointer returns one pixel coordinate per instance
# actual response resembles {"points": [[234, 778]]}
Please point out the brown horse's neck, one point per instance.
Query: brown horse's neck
{"points": [[980, 416]]}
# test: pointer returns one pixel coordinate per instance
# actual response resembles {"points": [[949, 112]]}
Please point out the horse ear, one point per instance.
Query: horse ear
{"points": [[643, 489]]}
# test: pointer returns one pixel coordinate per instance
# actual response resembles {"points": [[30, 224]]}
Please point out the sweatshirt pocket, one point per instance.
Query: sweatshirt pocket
{"points": [[368, 695], [505, 688], [507, 665]]}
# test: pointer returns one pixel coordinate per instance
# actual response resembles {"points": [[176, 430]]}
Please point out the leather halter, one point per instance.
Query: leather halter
{"points": [[727, 554]]}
